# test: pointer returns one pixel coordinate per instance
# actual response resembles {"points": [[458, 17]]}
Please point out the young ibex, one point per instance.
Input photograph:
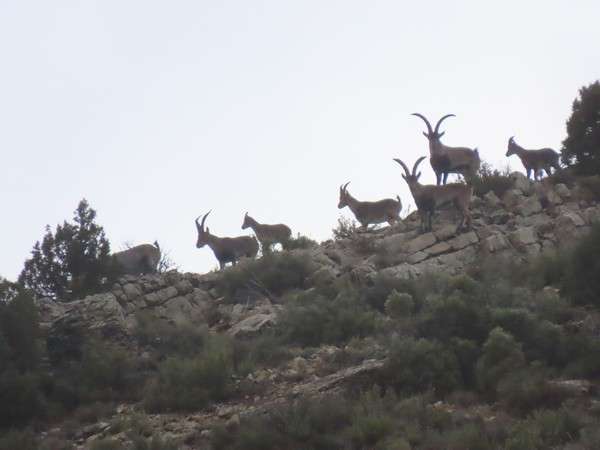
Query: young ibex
{"points": [[445, 160], [143, 258], [386, 210], [428, 197], [266, 234], [226, 249], [535, 160]]}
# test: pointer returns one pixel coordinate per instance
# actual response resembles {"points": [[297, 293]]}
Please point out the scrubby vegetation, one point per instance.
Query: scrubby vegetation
{"points": [[71, 262], [491, 180]]}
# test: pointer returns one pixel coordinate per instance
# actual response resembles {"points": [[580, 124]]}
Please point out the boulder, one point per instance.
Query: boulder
{"points": [[445, 232], [180, 310], [403, 271], [491, 199], [418, 257], [395, 243], [437, 249], [521, 183], [132, 291], [523, 237], [420, 243], [512, 198], [463, 240], [563, 191], [252, 325], [531, 205], [495, 243], [592, 215]]}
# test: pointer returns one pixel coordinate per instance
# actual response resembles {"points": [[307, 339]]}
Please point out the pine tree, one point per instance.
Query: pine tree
{"points": [[581, 148], [72, 262]]}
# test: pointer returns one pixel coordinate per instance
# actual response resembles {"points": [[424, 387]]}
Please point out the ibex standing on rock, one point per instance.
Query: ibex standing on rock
{"points": [[445, 160], [536, 160], [266, 234], [226, 249], [428, 197], [386, 210], [143, 258]]}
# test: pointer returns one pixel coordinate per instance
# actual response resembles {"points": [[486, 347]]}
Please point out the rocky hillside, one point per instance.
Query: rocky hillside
{"points": [[528, 220], [243, 304]]}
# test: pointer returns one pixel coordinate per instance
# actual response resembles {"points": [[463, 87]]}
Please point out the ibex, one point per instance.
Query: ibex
{"points": [[535, 160], [428, 197], [386, 210], [266, 234], [445, 160], [143, 258], [226, 249]]}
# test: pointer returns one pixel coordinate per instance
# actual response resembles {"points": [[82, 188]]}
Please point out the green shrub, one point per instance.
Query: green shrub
{"points": [[310, 319], [169, 339], [552, 307], [311, 424], [21, 440], [457, 315], [106, 444], [19, 332], [541, 340], [471, 436], [581, 283], [186, 384], [399, 305], [584, 356], [526, 390], [492, 180], [545, 429], [418, 365], [346, 228], [274, 274], [467, 353], [21, 398], [299, 243], [366, 430], [382, 286], [501, 356], [267, 349]]}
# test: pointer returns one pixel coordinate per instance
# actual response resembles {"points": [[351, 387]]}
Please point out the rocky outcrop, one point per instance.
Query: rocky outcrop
{"points": [[529, 218]]}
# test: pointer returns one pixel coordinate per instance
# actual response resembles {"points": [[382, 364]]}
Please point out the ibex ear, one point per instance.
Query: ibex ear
{"points": [[418, 175], [441, 134], [426, 135], [404, 176], [207, 230]]}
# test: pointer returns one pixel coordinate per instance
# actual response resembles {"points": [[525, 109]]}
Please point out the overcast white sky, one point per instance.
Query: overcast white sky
{"points": [[157, 112]]}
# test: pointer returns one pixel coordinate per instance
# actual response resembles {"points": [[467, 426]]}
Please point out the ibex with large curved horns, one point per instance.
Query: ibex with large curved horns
{"points": [[143, 258], [386, 210], [226, 249], [445, 160], [267, 234], [429, 197], [536, 160]]}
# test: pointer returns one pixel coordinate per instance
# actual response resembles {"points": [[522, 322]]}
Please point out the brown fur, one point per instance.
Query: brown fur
{"points": [[534, 160], [267, 234], [226, 249], [386, 210], [429, 197], [446, 160]]}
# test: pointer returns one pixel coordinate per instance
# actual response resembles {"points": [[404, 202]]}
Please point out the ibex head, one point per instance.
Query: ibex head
{"points": [[433, 134], [343, 196], [411, 178], [512, 146], [202, 233], [247, 221]]}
